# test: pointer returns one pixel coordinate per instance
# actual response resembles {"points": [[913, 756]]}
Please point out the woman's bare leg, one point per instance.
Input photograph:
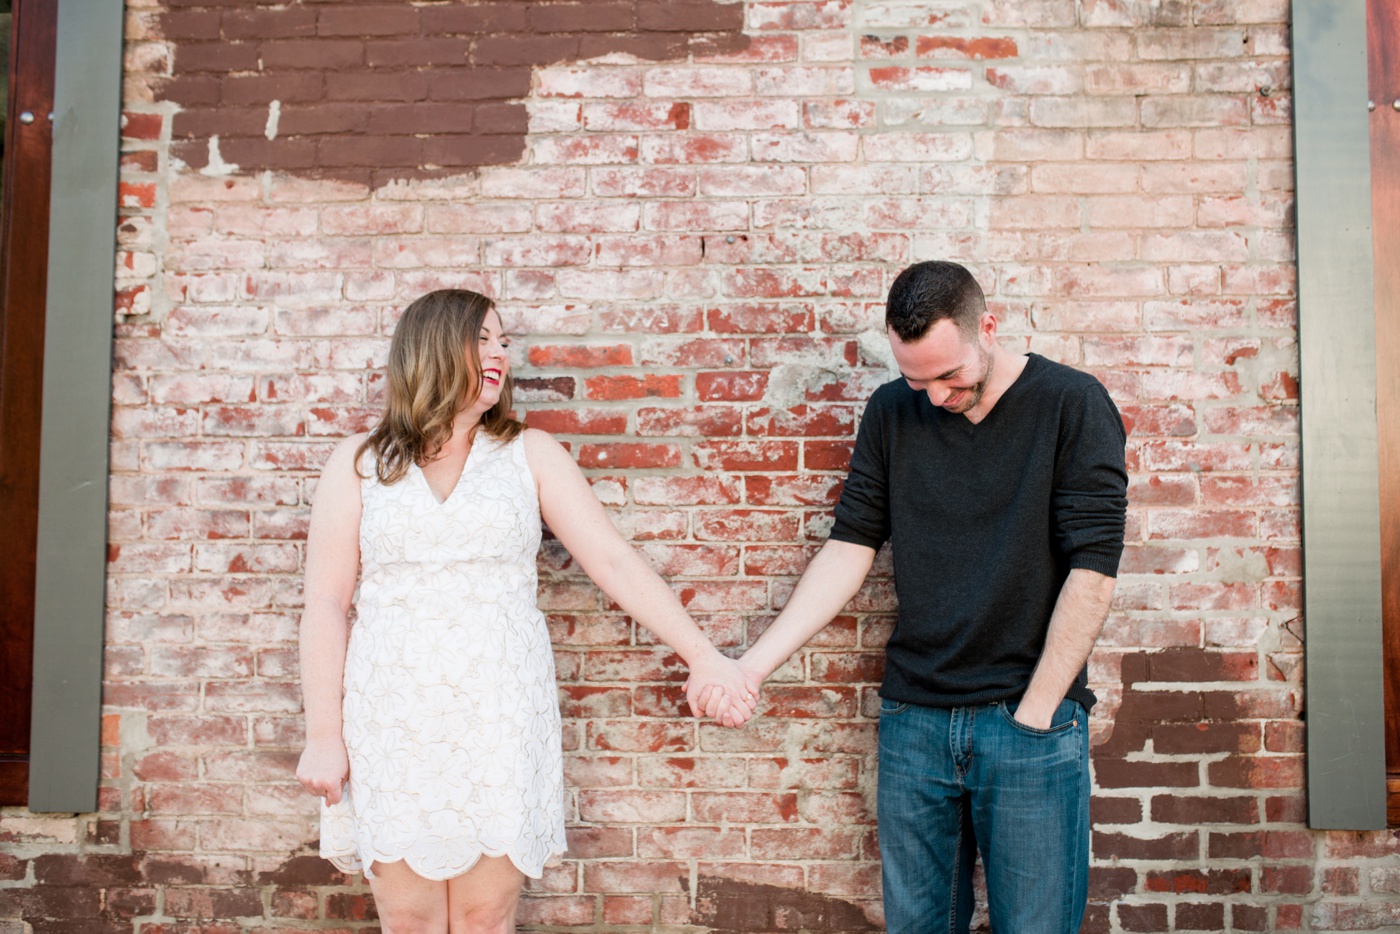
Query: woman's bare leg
{"points": [[408, 903], [483, 900]]}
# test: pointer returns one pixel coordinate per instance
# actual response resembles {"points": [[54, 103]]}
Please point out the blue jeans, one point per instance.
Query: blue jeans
{"points": [[966, 779]]}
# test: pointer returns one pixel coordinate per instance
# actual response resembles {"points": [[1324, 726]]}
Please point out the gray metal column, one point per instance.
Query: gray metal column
{"points": [[1341, 497], [72, 559]]}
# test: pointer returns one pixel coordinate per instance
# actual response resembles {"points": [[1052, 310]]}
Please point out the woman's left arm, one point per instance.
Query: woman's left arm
{"points": [[577, 519]]}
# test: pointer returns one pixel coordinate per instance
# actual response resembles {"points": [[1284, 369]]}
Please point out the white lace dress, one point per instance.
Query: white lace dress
{"points": [[451, 712]]}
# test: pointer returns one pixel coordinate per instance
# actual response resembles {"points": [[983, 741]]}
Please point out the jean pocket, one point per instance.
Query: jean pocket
{"points": [[889, 708], [1069, 720]]}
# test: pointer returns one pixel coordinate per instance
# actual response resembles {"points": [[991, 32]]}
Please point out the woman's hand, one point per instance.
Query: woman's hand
{"points": [[324, 769], [718, 687]]}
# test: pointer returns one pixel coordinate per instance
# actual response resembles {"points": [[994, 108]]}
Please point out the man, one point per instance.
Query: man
{"points": [[999, 480]]}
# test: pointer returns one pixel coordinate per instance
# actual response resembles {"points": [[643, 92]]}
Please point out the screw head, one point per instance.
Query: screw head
{"points": [[26, 117]]}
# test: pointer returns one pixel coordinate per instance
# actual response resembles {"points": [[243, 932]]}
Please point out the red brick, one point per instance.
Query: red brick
{"points": [[746, 808], [1120, 773], [1195, 882], [1169, 809], [564, 355], [578, 421], [622, 456], [610, 16], [1257, 772], [747, 455], [1194, 916], [627, 909], [189, 24], [689, 772], [636, 876], [523, 49], [632, 806], [1286, 880], [1249, 917], [633, 387], [706, 421], [142, 126], [689, 15], [730, 385], [463, 84], [691, 842], [1176, 846], [366, 20], [268, 24], [963, 48], [745, 525], [599, 842], [827, 455], [819, 842]]}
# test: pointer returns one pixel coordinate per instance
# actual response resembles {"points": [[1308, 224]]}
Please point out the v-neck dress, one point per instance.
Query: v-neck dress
{"points": [[451, 714]]}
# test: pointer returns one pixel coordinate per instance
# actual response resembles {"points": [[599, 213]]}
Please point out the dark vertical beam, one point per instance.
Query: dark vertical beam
{"points": [[72, 556], [24, 249], [1383, 58], [1336, 340]]}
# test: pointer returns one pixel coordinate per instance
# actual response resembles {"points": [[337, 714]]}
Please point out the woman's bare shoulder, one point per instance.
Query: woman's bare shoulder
{"points": [[545, 454], [346, 457]]}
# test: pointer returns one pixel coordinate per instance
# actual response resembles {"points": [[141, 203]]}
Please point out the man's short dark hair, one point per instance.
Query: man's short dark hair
{"points": [[929, 292]]}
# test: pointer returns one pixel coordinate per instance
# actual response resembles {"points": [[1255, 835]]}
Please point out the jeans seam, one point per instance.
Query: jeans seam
{"points": [[955, 875], [1081, 866]]}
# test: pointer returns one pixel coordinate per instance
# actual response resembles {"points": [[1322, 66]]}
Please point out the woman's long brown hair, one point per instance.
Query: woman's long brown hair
{"points": [[434, 371]]}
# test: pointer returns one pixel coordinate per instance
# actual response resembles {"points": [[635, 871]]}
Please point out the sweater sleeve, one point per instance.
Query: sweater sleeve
{"points": [[1090, 498], [862, 513]]}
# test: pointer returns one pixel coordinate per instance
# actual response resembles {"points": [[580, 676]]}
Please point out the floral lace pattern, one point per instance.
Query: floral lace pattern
{"points": [[451, 714]]}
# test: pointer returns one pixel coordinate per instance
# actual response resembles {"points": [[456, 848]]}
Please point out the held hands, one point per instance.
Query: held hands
{"points": [[324, 768], [721, 688]]}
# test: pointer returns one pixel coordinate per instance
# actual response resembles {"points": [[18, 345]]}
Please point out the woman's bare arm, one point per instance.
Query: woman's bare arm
{"points": [[578, 520], [332, 566]]}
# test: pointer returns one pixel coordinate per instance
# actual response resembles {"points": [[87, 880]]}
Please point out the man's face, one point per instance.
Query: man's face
{"points": [[951, 370]]}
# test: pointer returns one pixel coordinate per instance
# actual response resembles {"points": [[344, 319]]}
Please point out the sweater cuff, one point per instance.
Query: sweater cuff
{"points": [[842, 534], [1104, 563]]}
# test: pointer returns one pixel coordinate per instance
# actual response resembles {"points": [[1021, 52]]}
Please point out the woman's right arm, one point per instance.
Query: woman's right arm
{"points": [[332, 566]]}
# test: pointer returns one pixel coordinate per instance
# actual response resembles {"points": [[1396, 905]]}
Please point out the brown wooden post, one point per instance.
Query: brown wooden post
{"points": [[24, 244], [1383, 57]]}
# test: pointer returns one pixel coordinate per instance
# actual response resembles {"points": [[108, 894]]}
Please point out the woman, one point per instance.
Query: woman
{"points": [[433, 723]]}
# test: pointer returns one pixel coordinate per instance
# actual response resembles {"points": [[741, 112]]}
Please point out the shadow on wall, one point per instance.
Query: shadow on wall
{"points": [[372, 95]]}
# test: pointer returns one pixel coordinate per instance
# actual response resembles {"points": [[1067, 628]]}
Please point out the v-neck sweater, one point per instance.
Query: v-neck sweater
{"points": [[985, 522]]}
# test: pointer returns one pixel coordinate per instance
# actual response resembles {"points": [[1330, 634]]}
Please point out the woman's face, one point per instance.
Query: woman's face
{"points": [[495, 363]]}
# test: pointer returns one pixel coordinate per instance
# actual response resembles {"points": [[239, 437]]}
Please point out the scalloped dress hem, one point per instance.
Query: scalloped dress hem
{"points": [[351, 862]]}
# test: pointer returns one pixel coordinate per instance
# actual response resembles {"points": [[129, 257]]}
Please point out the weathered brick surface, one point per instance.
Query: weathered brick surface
{"points": [[690, 213], [374, 92]]}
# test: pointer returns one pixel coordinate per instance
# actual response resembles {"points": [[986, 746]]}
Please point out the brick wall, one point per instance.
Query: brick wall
{"points": [[692, 233]]}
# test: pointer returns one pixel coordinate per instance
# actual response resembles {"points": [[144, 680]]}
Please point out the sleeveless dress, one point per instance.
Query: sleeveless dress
{"points": [[451, 714]]}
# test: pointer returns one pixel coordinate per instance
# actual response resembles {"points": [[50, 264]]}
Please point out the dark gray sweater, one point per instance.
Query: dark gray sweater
{"points": [[985, 522]]}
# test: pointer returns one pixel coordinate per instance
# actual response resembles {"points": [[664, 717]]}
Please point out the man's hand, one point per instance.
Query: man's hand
{"points": [[719, 688], [324, 768], [1079, 615], [1036, 716], [830, 581]]}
